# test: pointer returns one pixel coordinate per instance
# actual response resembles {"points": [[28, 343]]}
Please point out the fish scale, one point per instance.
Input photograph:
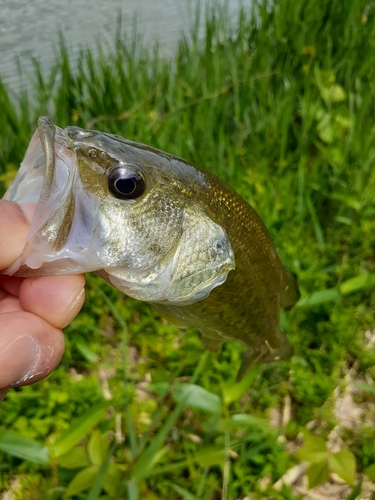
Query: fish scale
{"points": [[246, 307]]}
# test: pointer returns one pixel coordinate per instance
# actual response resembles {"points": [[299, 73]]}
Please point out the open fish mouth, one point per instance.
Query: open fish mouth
{"points": [[46, 178]]}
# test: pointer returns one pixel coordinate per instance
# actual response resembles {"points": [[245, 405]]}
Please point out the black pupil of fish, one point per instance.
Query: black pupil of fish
{"points": [[126, 184]]}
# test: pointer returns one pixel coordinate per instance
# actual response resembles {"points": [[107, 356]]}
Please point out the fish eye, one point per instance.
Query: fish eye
{"points": [[126, 183]]}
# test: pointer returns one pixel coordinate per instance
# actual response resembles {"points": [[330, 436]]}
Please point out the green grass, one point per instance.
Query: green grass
{"points": [[281, 108]]}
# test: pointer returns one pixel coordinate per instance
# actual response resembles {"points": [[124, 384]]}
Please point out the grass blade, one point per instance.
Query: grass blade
{"points": [[145, 459], [23, 448], [79, 429]]}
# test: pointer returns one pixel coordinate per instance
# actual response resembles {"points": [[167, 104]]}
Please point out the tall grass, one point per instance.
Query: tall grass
{"points": [[281, 107]]}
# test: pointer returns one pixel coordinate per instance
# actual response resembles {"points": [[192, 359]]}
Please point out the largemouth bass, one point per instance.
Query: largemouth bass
{"points": [[158, 229]]}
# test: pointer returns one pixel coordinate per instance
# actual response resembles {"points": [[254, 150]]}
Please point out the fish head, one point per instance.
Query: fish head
{"points": [[128, 212]]}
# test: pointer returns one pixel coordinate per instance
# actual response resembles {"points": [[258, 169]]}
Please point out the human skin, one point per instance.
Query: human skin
{"points": [[33, 311]]}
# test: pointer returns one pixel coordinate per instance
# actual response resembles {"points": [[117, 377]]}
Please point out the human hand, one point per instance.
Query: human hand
{"points": [[32, 310]]}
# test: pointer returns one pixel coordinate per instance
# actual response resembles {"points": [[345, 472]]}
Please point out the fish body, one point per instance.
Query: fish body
{"points": [[157, 228]]}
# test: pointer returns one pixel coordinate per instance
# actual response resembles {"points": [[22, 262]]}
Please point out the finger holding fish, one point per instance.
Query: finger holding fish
{"points": [[32, 310]]}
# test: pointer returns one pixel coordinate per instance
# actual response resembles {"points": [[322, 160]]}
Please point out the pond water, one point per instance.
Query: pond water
{"points": [[32, 28]]}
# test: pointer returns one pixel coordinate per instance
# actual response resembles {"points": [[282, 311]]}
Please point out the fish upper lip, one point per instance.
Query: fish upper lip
{"points": [[47, 132]]}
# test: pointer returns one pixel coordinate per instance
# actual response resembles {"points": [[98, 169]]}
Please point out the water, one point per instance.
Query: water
{"points": [[31, 28]]}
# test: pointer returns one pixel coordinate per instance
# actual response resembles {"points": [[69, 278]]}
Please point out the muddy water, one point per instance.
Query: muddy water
{"points": [[31, 28]]}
